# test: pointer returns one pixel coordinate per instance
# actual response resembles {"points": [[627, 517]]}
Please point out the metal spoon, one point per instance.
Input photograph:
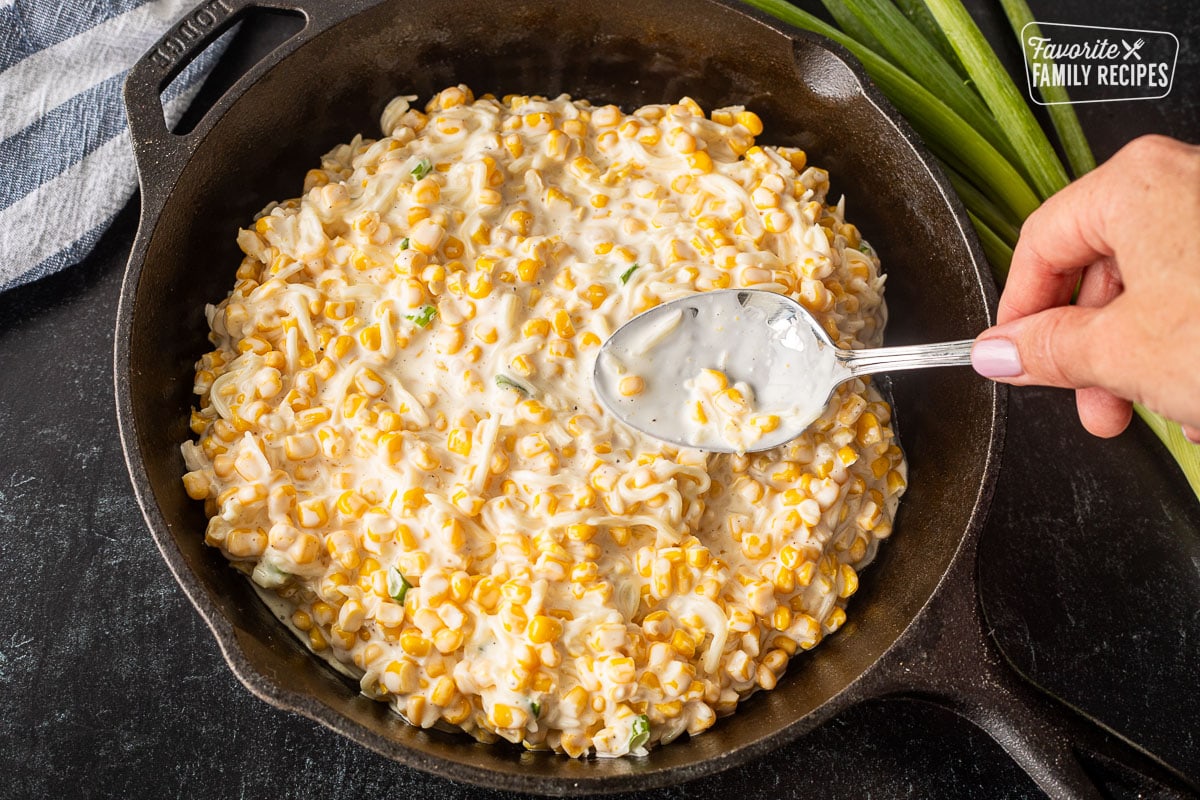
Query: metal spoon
{"points": [[764, 339]]}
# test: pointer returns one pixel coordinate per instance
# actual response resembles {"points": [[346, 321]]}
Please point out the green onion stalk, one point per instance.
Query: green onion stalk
{"points": [[932, 61]]}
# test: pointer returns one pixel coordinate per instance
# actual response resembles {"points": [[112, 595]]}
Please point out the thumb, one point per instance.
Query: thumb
{"points": [[1067, 346]]}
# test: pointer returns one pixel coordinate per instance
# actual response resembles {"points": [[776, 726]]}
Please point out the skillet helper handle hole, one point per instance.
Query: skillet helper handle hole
{"points": [[952, 661], [161, 116]]}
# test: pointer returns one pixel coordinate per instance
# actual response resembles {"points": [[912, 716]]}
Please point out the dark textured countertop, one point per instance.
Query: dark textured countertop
{"points": [[113, 687]]}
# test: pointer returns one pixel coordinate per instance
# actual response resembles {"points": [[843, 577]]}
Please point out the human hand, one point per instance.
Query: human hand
{"points": [[1131, 229]]}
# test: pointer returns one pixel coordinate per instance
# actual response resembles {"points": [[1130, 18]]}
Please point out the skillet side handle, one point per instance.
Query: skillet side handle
{"points": [[158, 151], [951, 660]]}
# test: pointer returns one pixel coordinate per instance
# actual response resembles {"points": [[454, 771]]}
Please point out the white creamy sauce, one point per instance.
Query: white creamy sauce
{"points": [[779, 369], [397, 434]]}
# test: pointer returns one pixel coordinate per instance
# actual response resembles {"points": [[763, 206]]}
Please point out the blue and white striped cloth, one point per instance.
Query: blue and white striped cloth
{"points": [[64, 145]]}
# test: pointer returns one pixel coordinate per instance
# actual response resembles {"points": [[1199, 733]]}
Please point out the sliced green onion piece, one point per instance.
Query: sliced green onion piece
{"points": [[269, 576], [641, 732], [536, 708], [627, 274], [397, 585], [505, 382], [422, 169], [1062, 113], [423, 317], [1001, 95], [404, 243]]}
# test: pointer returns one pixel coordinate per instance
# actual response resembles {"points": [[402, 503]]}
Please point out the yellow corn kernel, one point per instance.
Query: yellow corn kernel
{"points": [[413, 643], [750, 121], [595, 294], [556, 144], [700, 162], [245, 543], [543, 629], [522, 366], [535, 327], [581, 532], [514, 145], [869, 429], [784, 580], [459, 441], [835, 620], [849, 581], [486, 332], [562, 324], [589, 339], [413, 499], [519, 221], [312, 513], [447, 641], [400, 677], [450, 340], [683, 644], [527, 269], [506, 716], [631, 385], [352, 504], [197, 485], [316, 640]]}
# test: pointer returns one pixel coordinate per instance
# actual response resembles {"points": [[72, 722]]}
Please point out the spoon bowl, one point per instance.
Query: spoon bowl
{"points": [[736, 370]]}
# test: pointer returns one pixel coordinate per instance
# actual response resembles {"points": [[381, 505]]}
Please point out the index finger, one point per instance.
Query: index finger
{"points": [[1065, 235]]}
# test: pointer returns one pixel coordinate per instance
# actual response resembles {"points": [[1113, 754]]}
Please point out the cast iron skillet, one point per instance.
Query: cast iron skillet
{"points": [[916, 628]]}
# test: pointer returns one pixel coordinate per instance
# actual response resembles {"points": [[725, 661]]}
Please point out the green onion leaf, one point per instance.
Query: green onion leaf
{"points": [[1186, 454], [536, 708], [423, 317], [847, 21], [982, 207], [1001, 95], [998, 252], [628, 273], [505, 382], [995, 192], [641, 732], [422, 169], [943, 130], [397, 585], [920, 17], [1062, 113], [910, 51], [404, 243]]}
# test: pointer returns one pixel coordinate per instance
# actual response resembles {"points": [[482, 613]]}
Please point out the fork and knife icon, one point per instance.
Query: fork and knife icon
{"points": [[1132, 49]]}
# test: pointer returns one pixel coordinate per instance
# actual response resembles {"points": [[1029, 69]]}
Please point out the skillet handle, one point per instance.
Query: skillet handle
{"points": [[159, 151], [951, 660]]}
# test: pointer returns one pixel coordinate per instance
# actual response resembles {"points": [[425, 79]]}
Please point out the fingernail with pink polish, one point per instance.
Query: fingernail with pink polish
{"points": [[996, 358], [1191, 434]]}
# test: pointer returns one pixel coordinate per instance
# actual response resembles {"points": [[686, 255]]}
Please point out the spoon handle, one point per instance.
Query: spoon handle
{"points": [[918, 356]]}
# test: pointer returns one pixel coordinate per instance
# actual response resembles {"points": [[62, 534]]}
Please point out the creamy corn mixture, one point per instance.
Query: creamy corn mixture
{"points": [[724, 410], [396, 431]]}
